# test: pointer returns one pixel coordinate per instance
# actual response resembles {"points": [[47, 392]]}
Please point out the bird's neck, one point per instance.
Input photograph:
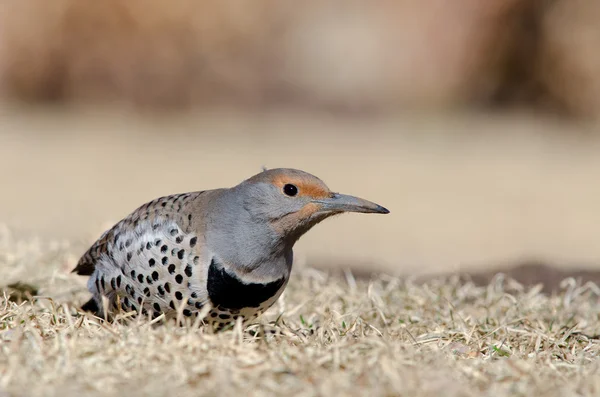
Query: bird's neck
{"points": [[248, 244]]}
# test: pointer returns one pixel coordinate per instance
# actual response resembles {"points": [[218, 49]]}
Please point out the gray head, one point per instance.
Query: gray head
{"points": [[265, 215], [292, 201]]}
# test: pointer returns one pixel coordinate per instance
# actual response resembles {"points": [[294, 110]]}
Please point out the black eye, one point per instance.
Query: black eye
{"points": [[290, 190]]}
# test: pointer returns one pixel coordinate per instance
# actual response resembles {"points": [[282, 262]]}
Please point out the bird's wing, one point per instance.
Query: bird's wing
{"points": [[165, 208]]}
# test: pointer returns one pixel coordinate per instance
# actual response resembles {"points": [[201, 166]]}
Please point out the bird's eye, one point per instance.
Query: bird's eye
{"points": [[290, 190]]}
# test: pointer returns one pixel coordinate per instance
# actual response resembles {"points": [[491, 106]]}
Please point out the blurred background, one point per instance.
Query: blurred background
{"points": [[475, 122]]}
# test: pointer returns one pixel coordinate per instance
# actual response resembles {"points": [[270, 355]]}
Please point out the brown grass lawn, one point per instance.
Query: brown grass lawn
{"points": [[328, 335]]}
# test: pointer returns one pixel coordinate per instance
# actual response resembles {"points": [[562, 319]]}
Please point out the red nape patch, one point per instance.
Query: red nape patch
{"points": [[306, 187]]}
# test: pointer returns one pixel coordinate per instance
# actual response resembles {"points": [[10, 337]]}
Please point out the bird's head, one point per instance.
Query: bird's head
{"points": [[293, 201]]}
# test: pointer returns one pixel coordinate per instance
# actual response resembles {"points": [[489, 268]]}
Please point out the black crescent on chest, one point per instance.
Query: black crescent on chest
{"points": [[227, 291]]}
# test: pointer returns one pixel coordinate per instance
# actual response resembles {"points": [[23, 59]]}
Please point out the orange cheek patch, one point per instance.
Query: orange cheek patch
{"points": [[290, 221], [308, 210], [305, 188]]}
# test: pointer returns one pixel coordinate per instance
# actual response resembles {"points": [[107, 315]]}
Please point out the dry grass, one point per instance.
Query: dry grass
{"points": [[337, 336]]}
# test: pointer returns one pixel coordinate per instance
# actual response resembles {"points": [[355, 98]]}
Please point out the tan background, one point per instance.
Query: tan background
{"points": [[465, 191]]}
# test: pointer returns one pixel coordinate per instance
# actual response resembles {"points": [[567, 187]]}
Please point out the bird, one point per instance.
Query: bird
{"points": [[227, 250]]}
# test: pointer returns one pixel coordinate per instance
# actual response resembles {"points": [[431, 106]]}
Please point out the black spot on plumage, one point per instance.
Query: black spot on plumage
{"points": [[227, 291], [188, 271], [123, 306], [119, 281], [155, 275], [147, 291], [190, 217], [121, 247], [139, 299], [144, 312], [190, 302], [173, 232], [155, 226], [164, 248], [156, 306], [178, 295], [173, 251], [148, 245], [141, 247], [171, 269], [164, 260], [168, 287], [172, 305], [113, 283], [224, 316], [128, 243], [161, 290], [132, 274], [129, 254], [149, 280], [213, 314], [187, 312], [179, 279], [179, 239], [151, 262], [193, 241], [164, 204], [194, 295], [102, 282], [180, 254], [140, 278], [196, 259], [157, 242], [126, 301], [199, 305]]}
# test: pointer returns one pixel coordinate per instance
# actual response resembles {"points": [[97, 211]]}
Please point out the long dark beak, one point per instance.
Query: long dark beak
{"points": [[345, 203]]}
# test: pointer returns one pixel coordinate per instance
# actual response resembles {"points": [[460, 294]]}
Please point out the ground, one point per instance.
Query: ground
{"points": [[329, 334]]}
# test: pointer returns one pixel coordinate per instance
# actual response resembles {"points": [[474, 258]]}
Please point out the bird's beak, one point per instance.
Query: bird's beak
{"points": [[345, 203]]}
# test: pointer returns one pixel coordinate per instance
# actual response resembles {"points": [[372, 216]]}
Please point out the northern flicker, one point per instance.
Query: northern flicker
{"points": [[230, 248]]}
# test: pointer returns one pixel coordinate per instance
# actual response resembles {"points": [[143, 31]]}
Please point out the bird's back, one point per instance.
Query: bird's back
{"points": [[147, 261], [173, 207]]}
